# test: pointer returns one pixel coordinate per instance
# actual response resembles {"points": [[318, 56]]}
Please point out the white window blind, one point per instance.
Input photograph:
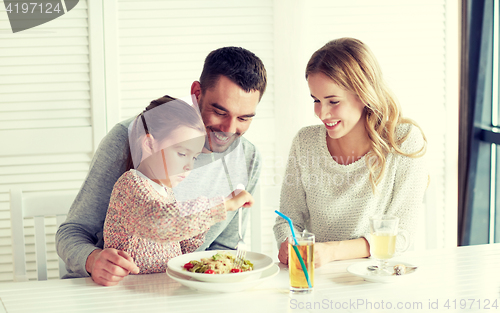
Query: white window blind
{"points": [[45, 119], [163, 45]]}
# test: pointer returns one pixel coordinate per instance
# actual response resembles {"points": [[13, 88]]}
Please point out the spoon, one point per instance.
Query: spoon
{"points": [[398, 269]]}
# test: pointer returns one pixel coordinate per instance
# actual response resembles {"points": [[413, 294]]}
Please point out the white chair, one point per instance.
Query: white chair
{"points": [[36, 206]]}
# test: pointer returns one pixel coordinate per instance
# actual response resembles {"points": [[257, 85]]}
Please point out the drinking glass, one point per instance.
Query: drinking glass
{"points": [[305, 247], [383, 234]]}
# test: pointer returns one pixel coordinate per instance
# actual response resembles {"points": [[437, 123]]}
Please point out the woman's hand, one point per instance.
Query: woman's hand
{"points": [[109, 266], [283, 253], [323, 253], [326, 252]]}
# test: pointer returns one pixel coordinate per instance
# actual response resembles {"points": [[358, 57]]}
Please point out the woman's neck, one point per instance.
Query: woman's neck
{"points": [[349, 148]]}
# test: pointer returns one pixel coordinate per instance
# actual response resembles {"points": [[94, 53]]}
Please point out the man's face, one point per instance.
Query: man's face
{"points": [[227, 111]]}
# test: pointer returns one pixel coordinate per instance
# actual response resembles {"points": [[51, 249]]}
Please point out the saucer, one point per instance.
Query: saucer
{"points": [[360, 269]]}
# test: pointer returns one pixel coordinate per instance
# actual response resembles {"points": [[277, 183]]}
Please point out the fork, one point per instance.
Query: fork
{"points": [[241, 247]]}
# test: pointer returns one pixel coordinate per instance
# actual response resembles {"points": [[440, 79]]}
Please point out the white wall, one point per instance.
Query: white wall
{"points": [[416, 43], [65, 83]]}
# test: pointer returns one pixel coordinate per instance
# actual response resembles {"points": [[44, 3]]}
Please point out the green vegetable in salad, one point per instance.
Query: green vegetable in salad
{"points": [[219, 263]]}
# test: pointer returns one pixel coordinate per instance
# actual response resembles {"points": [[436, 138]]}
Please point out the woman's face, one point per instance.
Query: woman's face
{"points": [[178, 153], [341, 111]]}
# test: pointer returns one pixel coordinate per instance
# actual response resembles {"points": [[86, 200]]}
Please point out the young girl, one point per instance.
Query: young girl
{"points": [[364, 160], [143, 218]]}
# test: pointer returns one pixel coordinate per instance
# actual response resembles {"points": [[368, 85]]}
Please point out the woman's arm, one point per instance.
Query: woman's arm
{"points": [[325, 252], [292, 201], [293, 196]]}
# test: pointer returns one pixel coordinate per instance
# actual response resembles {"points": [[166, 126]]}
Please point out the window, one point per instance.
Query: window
{"points": [[479, 216]]}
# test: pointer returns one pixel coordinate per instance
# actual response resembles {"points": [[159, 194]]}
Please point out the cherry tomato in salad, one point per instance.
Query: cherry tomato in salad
{"points": [[188, 265], [235, 270], [209, 271]]}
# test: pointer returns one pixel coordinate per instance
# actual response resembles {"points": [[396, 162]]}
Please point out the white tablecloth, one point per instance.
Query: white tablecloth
{"points": [[465, 279]]}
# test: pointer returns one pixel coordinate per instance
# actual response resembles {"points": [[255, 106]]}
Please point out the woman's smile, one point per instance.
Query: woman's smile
{"points": [[331, 125]]}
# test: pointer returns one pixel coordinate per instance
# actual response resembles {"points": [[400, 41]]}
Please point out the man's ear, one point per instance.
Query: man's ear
{"points": [[196, 90]]}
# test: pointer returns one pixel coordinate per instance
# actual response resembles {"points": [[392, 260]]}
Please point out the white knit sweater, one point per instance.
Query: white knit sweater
{"points": [[335, 201]]}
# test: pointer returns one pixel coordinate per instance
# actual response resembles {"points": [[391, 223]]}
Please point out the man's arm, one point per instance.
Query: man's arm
{"points": [[81, 233]]}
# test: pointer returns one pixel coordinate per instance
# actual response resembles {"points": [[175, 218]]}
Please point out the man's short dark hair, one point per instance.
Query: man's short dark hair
{"points": [[241, 66]]}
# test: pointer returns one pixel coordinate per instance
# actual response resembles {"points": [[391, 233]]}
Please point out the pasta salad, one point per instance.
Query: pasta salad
{"points": [[219, 263]]}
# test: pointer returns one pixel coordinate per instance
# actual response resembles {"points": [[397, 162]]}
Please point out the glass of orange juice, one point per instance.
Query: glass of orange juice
{"points": [[305, 247], [384, 233]]}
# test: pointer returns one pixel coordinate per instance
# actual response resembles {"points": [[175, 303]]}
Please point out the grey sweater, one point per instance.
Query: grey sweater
{"points": [[81, 233]]}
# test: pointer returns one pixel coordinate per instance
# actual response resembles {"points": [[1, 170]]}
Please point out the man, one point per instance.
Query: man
{"points": [[231, 85]]}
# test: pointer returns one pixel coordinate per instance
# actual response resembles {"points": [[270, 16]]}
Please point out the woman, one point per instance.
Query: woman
{"points": [[365, 159]]}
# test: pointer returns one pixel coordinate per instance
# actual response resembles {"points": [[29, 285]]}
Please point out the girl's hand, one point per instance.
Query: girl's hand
{"points": [[283, 253], [242, 198]]}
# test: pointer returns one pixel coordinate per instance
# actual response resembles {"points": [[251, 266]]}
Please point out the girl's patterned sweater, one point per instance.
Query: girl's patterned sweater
{"points": [[152, 226]]}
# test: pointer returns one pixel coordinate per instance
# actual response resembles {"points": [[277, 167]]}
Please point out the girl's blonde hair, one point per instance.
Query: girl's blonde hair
{"points": [[352, 66]]}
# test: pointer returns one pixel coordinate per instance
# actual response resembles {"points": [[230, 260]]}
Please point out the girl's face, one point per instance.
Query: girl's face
{"points": [[341, 111], [178, 153]]}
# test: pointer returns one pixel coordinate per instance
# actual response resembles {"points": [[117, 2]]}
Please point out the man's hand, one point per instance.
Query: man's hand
{"points": [[283, 253], [109, 266]]}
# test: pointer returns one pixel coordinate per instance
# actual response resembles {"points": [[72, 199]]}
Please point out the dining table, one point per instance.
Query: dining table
{"points": [[457, 279]]}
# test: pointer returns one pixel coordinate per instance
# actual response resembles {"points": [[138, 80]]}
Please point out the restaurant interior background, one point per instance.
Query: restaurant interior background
{"points": [[64, 84]]}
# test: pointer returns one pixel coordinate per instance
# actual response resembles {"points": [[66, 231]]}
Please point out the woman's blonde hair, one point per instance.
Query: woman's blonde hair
{"points": [[352, 66]]}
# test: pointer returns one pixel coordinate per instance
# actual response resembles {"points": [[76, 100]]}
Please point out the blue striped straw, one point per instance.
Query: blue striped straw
{"points": [[304, 269]]}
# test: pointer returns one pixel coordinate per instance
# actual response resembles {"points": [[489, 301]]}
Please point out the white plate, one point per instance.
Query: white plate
{"points": [[223, 287], [260, 263], [360, 269]]}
